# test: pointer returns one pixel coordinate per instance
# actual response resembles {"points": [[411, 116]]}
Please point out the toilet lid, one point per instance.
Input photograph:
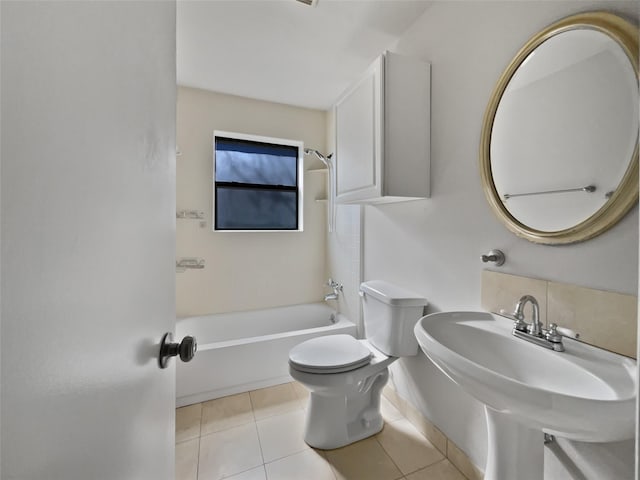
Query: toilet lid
{"points": [[329, 354]]}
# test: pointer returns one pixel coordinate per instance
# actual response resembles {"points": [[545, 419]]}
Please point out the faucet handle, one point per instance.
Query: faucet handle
{"points": [[519, 323], [552, 334], [567, 332], [517, 317], [554, 338]]}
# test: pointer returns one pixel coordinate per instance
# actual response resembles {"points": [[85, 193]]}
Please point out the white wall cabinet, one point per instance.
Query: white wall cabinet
{"points": [[383, 133]]}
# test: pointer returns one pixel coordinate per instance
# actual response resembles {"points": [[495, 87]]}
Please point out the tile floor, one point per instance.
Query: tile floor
{"points": [[258, 435]]}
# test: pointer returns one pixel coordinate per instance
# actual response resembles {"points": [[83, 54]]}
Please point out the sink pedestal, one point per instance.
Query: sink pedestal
{"points": [[513, 450]]}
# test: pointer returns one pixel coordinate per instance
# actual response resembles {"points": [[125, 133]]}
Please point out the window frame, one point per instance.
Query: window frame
{"points": [[299, 179]]}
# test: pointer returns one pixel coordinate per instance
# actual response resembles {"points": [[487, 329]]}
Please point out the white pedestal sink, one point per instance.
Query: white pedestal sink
{"points": [[583, 393]]}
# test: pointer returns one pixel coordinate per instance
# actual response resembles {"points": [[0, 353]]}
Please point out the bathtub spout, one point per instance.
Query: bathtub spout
{"points": [[336, 287]]}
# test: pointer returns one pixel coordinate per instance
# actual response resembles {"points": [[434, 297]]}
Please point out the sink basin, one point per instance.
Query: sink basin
{"points": [[584, 393]]}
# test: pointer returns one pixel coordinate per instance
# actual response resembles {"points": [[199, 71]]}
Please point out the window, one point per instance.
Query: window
{"points": [[257, 183]]}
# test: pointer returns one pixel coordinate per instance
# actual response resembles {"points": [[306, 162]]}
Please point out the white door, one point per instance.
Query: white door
{"points": [[87, 240]]}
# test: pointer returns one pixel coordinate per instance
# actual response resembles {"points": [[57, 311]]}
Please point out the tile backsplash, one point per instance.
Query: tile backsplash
{"points": [[605, 319]]}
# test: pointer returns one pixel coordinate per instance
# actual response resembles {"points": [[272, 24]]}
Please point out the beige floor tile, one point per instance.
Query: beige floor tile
{"points": [[389, 412], [253, 474], [442, 470], [226, 412], [282, 435], [229, 452], [302, 393], [407, 447], [307, 465], [275, 400], [188, 422], [365, 459], [187, 459]]}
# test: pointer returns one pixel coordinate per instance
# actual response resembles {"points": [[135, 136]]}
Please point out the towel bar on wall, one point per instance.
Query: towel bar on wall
{"points": [[587, 189]]}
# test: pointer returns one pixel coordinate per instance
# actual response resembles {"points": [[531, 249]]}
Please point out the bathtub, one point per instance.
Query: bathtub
{"points": [[243, 351]]}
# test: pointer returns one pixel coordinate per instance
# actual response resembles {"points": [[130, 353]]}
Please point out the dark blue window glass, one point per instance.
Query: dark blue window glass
{"points": [[256, 185], [256, 209]]}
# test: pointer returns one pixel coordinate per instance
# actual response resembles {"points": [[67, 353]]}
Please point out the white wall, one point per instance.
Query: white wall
{"points": [[245, 271], [434, 246]]}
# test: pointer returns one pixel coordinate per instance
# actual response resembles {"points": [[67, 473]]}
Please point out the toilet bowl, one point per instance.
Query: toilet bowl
{"points": [[344, 405], [345, 376]]}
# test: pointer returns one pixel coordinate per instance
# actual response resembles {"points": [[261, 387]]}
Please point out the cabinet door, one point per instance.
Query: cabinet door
{"points": [[359, 138]]}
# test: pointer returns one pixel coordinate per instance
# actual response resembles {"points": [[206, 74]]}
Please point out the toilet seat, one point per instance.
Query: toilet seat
{"points": [[329, 354]]}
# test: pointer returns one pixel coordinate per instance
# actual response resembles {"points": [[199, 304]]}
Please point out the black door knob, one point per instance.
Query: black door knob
{"points": [[186, 349]]}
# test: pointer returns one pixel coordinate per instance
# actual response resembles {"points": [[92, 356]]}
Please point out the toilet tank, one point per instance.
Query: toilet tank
{"points": [[390, 314]]}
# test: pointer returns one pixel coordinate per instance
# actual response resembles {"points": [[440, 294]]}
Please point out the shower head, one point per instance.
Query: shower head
{"points": [[332, 189]]}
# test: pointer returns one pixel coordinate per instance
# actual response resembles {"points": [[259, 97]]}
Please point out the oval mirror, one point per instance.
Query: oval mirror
{"points": [[559, 145]]}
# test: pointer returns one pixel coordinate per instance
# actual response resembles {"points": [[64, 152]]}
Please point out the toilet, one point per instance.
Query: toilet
{"points": [[345, 376]]}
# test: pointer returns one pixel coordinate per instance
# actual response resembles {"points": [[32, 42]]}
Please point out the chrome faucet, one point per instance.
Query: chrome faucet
{"points": [[535, 328], [534, 332], [336, 287]]}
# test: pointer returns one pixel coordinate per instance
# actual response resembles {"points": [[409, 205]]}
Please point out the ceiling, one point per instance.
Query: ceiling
{"points": [[282, 50]]}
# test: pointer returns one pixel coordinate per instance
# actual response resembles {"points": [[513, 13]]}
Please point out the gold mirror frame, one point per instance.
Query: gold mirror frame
{"points": [[625, 196]]}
